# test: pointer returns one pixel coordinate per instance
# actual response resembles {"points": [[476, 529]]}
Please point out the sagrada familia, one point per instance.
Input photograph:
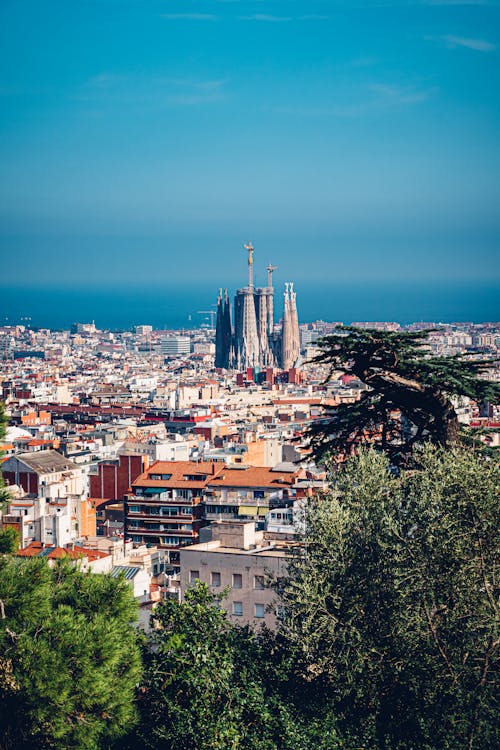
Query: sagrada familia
{"points": [[254, 341]]}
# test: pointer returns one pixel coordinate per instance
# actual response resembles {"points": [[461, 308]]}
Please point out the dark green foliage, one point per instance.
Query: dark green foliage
{"points": [[4, 495], [70, 659], [394, 606], [211, 685], [401, 377], [9, 541]]}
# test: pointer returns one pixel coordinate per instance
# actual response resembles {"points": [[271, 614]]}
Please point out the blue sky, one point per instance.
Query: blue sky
{"points": [[146, 140]]}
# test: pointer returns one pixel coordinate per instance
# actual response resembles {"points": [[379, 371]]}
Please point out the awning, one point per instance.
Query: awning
{"points": [[247, 510], [262, 511], [154, 490]]}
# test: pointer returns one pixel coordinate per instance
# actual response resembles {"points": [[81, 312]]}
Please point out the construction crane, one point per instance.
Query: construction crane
{"points": [[212, 314]]}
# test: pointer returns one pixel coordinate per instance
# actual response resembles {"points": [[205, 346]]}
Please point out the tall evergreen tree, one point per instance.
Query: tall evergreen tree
{"points": [[69, 657], [402, 381]]}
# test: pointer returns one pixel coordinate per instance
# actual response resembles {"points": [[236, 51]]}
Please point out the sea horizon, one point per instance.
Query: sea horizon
{"points": [[183, 305]]}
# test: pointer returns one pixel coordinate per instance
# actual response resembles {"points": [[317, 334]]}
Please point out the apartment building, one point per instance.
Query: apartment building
{"points": [[237, 561], [165, 507]]}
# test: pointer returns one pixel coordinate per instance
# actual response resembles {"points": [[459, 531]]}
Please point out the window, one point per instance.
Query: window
{"points": [[259, 610], [238, 609], [237, 581], [194, 575], [258, 582], [134, 508], [215, 580], [170, 540]]}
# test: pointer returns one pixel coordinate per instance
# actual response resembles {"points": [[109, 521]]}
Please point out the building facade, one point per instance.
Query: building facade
{"points": [[238, 561]]}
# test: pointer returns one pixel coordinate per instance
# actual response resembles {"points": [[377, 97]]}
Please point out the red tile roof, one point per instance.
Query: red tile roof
{"points": [[178, 470], [253, 476]]}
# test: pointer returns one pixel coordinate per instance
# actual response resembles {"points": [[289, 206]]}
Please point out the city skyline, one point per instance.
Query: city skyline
{"points": [[349, 140]]}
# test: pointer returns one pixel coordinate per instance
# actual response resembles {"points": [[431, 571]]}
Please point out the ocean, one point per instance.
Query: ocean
{"points": [[178, 306]]}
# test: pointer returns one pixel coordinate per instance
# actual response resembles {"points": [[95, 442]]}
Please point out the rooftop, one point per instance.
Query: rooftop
{"points": [[43, 462]]}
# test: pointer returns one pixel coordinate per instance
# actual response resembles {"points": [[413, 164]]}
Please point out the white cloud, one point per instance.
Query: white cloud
{"points": [[266, 18], [378, 98], [189, 16], [480, 45], [451, 41], [153, 90]]}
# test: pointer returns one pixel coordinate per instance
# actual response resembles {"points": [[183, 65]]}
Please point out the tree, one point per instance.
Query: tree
{"points": [[4, 495], [9, 541], [393, 605], [211, 685], [69, 656], [402, 381]]}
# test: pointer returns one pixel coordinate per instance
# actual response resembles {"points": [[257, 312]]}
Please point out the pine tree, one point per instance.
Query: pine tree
{"points": [[69, 657], [403, 381]]}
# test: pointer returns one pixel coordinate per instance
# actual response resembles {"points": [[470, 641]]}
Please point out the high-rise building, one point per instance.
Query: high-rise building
{"points": [[175, 346], [254, 342]]}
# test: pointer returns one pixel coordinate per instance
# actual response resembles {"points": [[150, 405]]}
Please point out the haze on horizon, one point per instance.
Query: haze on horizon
{"points": [[347, 140]]}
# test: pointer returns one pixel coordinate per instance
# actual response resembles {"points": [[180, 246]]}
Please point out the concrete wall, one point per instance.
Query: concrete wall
{"points": [[227, 564]]}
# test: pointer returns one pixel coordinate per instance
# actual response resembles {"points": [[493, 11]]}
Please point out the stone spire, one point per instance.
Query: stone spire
{"points": [[295, 345], [286, 333], [219, 333], [270, 298], [227, 330]]}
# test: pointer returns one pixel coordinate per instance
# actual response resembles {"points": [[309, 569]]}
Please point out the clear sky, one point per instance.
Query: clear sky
{"points": [[147, 139]]}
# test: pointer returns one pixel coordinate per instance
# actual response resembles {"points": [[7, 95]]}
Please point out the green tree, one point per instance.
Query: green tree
{"points": [[9, 541], [402, 379], [69, 656], [211, 685], [4, 495], [393, 606]]}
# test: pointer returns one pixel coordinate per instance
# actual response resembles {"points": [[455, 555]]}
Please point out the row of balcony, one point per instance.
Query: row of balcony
{"points": [[155, 516], [167, 532]]}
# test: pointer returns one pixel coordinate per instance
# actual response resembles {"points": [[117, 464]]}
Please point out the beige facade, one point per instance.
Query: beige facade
{"points": [[237, 560]]}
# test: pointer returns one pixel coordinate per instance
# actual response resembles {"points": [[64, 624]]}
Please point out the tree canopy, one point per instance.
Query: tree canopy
{"points": [[212, 685], [403, 381], [69, 656], [393, 606]]}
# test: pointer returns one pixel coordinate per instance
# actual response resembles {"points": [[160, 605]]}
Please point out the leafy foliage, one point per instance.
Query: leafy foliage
{"points": [[4, 495], [211, 685], [69, 661], [394, 605], [9, 540], [402, 380]]}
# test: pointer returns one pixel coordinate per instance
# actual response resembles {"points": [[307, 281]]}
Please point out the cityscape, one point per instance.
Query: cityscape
{"points": [[250, 375]]}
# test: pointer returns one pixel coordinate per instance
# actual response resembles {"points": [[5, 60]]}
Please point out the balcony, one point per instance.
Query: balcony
{"points": [[221, 516], [179, 517], [160, 532]]}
